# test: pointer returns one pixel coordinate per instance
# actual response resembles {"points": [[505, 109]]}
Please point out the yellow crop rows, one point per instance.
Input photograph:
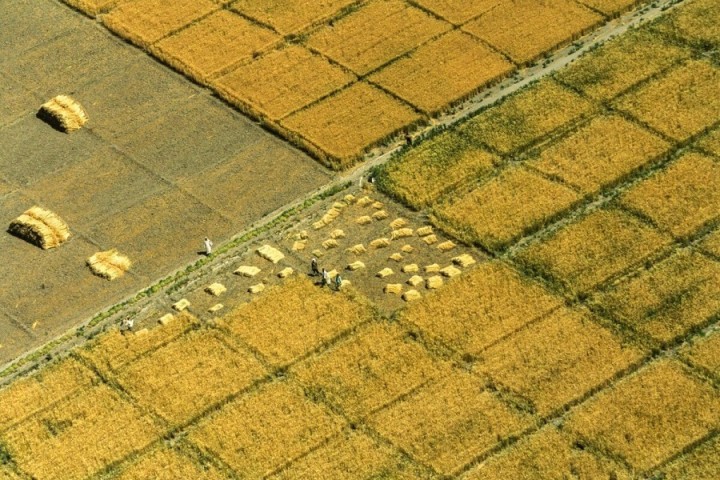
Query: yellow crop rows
{"points": [[459, 11], [93, 7], [696, 22], [705, 352], [702, 463], [290, 16], [168, 464], [612, 7], [711, 142], [711, 243]]}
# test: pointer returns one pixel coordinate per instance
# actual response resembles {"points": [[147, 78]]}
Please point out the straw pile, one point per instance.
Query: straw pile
{"points": [[398, 223], [385, 272], [302, 235], [257, 288], [40, 227], [464, 260], [337, 233], [109, 264], [181, 304], [365, 201], [332, 273], [299, 245], [270, 254], [436, 281], [401, 233], [331, 215], [415, 280], [216, 289], [364, 220], [396, 257], [216, 308], [356, 266], [395, 288], [411, 295], [434, 268], [357, 249], [407, 249], [330, 243], [285, 272], [430, 239], [349, 199], [445, 246], [64, 113], [167, 318], [318, 253], [380, 215], [318, 225], [345, 283], [410, 268], [247, 271], [378, 205], [379, 243], [424, 231], [338, 205], [450, 271]]}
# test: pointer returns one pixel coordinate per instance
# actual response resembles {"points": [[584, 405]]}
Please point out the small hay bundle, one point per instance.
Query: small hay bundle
{"points": [[40, 227], [337, 233], [424, 231], [434, 268], [332, 274], [380, 215], [344, 284], [216, 289], [395, 288], [415, 280], [385, 272], [247, 271], [379, 243], [401, 233], [330, 243], [434, 282], [318, 225], [445, 246], [365, 201], [109, 264], [285, 272], [410, 268], [357, 249], [364, 220], [450, 271], [396, 257], [411, 295], [356, 266], [339, 205], [318, 253], [398, 223], [407, 249], [349, 199], [299, 245], [257, 288], [464, 260], [302, 235], [64, 113], [331, 215], [378, 205], [181, 304], [270, 254], [165, 319], [430, 239], [216, 308]]}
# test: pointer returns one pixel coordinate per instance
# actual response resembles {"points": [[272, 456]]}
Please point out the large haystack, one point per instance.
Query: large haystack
{"points": [[109, 264], [40, 227], [64, 113]]}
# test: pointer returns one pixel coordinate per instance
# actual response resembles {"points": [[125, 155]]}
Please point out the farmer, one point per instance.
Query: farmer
{"points": [[314, 267], [338, 282], [325, 278], [208, 246], [127, 324]]}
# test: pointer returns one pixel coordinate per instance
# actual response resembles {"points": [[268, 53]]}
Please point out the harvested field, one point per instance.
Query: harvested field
{"points": [[621, 63], [375, 34], [213, 44], [290, 16], [266, 429], [557, 360], [680, 104], [549, 453], [507, 207], [594, 249], [525, 29], [526, 117], [282, 82], [648, 416], [702, 463], [428, 78], [169, 464], [682, 198], [704, 352], [368, 371], [695, 22], [668, 300], [458, 11], [600, 154], [489, 303], [344, 124], [450, 422]]}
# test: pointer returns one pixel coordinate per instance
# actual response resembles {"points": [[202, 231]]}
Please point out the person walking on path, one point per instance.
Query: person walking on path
{"points": [[314, 267], [208, 246], [338, 282], [325, 278]]}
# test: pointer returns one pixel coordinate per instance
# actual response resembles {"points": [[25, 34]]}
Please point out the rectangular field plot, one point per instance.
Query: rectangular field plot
{"points": [[525, 29], [593, 249], [144, 22], [600, 154], [650, 416], [375, 34], [680, 104], [41, 390], [183, 378], [266, 429], [489, 303], [213, 44], [702, 463], [168, 464], [549, 453], [368, 371], [93, 7], [449, 423], [704, 352], [290, 16], [347, 123], [621, 63], [285, 323], [350, 456], [696, 22], [557, 360], [459, 11], [711, 243], [612, 7], [430, 78], [711, 142], [97, 427], [282, 81], [668, 300], [682, 198], [526, 116], [509, 206], [425, 172]]}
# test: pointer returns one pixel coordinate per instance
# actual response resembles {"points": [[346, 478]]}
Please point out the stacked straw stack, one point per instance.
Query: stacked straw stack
{"points": [[109, 264], [64, 113], [40, 227]]}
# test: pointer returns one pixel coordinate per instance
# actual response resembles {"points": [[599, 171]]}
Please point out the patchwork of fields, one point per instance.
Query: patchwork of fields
{"points": [[569, 329]]}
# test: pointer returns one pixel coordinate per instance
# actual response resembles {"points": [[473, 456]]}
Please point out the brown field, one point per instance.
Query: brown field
{"points": [[682, 198], [290, 16], [428, 78], [525, 29]]}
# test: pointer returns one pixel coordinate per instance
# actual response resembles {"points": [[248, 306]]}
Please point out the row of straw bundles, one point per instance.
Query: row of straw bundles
{"points": [[40, 227], [64, 113]]}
